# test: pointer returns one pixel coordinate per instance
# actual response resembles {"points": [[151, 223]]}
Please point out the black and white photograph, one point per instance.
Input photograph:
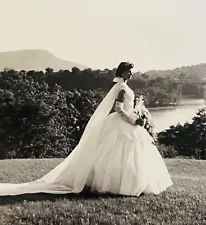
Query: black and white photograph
{"points": [[102, 112]]}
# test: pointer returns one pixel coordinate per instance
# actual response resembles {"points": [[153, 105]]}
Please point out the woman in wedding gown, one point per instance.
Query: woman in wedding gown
{"points": [[115, 154]]}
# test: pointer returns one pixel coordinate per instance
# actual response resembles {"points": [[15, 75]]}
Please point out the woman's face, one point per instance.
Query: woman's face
{"points": [[127, 74]]}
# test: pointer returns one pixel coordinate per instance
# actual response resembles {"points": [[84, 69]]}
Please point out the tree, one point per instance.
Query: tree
{"points": [[188, 140], [41, 120]]}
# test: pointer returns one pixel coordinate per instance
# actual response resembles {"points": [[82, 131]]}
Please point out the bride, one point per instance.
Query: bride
{"points": [[115, 155]]}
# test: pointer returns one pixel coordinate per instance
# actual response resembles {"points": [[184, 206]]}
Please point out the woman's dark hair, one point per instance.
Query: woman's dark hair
{"points": [[123, 66]]}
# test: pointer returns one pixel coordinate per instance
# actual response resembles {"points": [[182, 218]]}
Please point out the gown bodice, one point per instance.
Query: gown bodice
{"points": [[128, 104]]}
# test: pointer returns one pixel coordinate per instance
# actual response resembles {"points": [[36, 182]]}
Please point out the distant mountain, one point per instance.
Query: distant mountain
{"points": [[194, 71], [34, 60]]}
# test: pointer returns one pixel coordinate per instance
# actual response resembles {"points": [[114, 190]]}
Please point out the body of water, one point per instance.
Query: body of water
{"points": [[165, 117]]}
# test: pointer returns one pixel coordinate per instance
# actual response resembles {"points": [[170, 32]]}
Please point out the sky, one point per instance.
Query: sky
{"points": [[152, 34]]}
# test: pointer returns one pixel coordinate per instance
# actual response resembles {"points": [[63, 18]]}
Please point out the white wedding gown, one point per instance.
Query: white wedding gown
{"points": [[113, 156]]}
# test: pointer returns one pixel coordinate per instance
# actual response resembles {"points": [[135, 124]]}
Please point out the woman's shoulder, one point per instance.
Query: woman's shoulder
{"points": [[126, 88], [123, 86]]}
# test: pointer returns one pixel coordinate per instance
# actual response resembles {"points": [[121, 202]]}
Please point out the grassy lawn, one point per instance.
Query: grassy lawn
{"points": [[183, 203]]}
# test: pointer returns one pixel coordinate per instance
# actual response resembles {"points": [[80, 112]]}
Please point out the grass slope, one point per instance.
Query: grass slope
{"points": [[184, 203]]}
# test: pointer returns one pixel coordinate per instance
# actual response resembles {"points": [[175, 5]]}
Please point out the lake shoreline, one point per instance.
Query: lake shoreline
{"points": [[164, 117], [185, 101]]}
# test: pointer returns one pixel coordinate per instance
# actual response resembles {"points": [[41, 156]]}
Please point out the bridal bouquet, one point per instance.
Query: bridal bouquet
{"points": [[143, 114]]}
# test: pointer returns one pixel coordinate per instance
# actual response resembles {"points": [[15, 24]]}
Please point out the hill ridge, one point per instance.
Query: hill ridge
{"points": [[36, 59], [197, 71]]}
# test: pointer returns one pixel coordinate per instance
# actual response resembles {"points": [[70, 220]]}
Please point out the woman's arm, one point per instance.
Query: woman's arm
{"points": [[119, 108]]}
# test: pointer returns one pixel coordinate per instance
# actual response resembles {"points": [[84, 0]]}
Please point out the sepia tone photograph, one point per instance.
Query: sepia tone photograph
{"points": [[102, 112]]}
